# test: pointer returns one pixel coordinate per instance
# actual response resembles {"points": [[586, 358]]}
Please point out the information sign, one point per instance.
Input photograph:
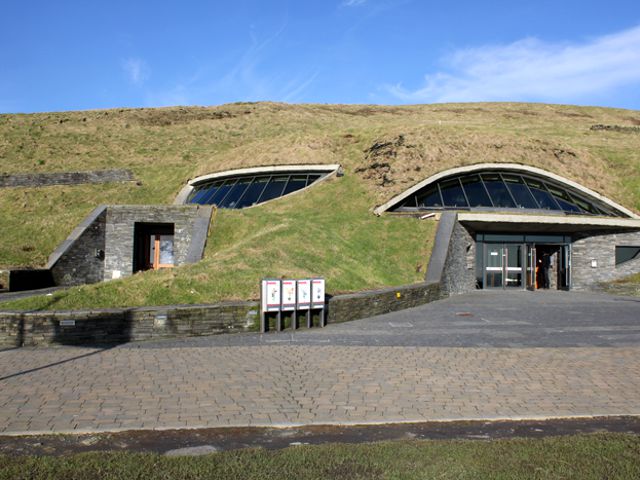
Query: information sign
{"points": [[288, 294], [304, 294], [270, 298], [317, 293]]}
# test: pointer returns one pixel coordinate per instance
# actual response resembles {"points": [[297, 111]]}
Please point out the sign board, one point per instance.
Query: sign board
{"points": [[304, 294], [288, 294], [317, 292], [67, 323], [270, 296]]}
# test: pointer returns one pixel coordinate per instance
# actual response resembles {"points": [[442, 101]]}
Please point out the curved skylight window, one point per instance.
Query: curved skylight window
{"points": [[514, 188], [248, 187]]}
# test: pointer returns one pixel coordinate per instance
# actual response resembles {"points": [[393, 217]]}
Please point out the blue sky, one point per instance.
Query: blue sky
{"points": [[76, 55]]}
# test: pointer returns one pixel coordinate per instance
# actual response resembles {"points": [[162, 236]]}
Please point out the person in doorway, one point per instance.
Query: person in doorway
{"points": [[545, 265]]}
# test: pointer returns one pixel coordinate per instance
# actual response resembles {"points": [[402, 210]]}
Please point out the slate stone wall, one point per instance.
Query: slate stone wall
{"points": [[124, 325], [601, 247], [190, 222], [82, 260], [458, 275], [64, 178], [343, 308]]}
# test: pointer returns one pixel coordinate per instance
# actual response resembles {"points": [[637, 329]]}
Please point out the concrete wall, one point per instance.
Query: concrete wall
{"points": [[191, 224], [601, 248], [64, 178]]}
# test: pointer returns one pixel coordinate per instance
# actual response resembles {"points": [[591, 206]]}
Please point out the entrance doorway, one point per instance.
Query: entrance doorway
{"points": [[523, 261], [153, 246]]}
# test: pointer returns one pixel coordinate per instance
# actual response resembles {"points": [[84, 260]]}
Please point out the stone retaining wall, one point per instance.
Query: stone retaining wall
{"points": [[124, 325], [64, 178], [133, 324]]}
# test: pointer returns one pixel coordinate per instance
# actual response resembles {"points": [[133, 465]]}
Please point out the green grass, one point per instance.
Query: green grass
{"points": [[329, 230], [308, 234], [602, 456]]}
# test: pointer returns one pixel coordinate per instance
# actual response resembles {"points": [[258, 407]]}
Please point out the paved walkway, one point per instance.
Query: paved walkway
{"points": [[192, 384]]}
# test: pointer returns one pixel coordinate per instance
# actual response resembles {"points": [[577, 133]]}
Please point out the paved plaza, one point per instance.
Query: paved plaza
{"points": [[487, 355]]}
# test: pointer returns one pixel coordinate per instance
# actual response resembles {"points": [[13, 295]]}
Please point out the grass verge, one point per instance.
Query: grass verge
{"points": [[600, 456]]}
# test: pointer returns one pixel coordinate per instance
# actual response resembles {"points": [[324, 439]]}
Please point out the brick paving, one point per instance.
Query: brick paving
{"points": [[70, 389]]}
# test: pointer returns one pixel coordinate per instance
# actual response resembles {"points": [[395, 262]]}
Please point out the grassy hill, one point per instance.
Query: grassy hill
{"points": [[329, 230]]}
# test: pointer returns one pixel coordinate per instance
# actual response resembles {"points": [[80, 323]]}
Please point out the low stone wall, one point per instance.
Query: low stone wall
{"points": [[108, 326], [124, 325], [64, 178], [343, 308]]}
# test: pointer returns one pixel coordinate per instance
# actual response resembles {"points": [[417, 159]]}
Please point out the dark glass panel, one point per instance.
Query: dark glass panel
{"points": [[625, 254], [544, 198], [519, 191], [295, 183], [409, 202], [430, 198], [200, 193], [220, 193], [312, 178], [452, 194], [498, 191], [235, 193], [252, 193], [475, 191], [274, 188], [587, 206], [563, 199]]}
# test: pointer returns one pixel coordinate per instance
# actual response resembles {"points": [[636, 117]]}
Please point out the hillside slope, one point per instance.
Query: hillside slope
{"points": [[328, 230]]}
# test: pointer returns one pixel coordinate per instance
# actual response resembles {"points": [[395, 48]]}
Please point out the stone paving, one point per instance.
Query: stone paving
{"points": [[161, 385]]}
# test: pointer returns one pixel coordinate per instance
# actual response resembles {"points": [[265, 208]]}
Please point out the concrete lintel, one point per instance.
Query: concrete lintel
{"points": [[566, 223]]}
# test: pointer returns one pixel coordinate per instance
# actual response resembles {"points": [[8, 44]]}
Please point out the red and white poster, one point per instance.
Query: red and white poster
{"points": [[304, 294], [317, 292], [270, 295], [288, 294]]}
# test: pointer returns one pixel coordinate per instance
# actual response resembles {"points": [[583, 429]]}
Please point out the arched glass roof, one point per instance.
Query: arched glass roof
{"points": [[245, 188], [498, 189]]}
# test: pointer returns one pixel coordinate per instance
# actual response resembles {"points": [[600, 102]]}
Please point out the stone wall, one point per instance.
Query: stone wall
{"points": [[601, 248], [343, 308], [124, 325], [80, 259], [458, 275], [64, 178], [110, 326], [190, 222]]}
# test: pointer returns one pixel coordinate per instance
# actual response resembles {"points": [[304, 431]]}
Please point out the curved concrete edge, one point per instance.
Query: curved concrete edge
{"points": [[199, 234], [503, 166], [331, 170], [346, 423], [438, 259], [74, 236]]}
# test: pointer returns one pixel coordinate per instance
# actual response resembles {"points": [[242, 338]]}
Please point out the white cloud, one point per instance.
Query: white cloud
{"points": [[353, 3], [136, 70], [533, 70]]}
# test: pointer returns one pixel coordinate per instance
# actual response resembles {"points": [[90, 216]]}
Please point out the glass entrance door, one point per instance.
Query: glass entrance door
{"points": [[503, 266], [531, 266]]}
